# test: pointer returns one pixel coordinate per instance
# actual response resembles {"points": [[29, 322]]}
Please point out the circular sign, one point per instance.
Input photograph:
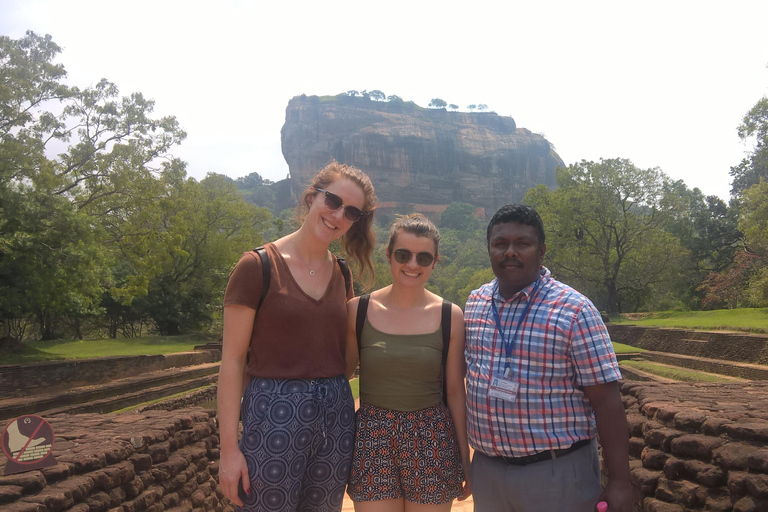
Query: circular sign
{"points": [[27, 440]]}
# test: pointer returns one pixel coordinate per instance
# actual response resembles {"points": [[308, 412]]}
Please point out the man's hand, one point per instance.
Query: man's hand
{"points": [[618, 495]]}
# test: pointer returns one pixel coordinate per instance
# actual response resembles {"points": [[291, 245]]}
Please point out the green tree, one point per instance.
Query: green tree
{"points": [[203, 228], [754, 224], [605, 233], [459, 216], [377, 95], [482, 107], [437, 103], [753, 167], [472, 107], [111, 227], [453, 106]]}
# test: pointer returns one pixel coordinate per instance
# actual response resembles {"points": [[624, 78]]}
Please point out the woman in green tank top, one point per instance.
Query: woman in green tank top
{"points": [[411, 452]]}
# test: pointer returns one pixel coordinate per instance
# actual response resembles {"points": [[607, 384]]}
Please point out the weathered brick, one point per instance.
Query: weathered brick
{"points": [[733, 455], [134, 488], [645, 480], [674, 468], [636, 445], [21, 506], [159, 452], [55, 500], [695, 446], [170, 500], [690, 420], [141, 461], [750, 504], [713, 426], [58, 472], [107, 478], [662, 438], [653, 459], [30, 482], [99, 502], [758, 460], [10, 493], [654, 505], [757, 485], [681, 491], [747, 431]]}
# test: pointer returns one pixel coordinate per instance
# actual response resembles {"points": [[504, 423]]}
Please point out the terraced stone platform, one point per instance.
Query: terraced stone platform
{"points": [[138, 383]]}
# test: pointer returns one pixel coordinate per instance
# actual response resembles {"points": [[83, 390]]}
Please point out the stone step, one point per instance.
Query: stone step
{"points": [[116, 403], [186, 378]]}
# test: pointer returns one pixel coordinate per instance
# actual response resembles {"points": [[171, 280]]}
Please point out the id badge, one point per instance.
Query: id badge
{"points": [[503, 388]]}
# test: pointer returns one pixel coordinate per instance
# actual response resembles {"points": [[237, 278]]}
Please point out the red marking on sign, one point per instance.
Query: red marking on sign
{"points": [[39, 425]]}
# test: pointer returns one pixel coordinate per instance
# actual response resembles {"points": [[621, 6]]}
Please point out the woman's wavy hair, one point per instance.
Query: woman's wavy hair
{"points": [[415, 224], [360, 240]]}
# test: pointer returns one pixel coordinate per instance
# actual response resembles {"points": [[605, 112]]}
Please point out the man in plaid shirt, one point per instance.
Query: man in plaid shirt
{"points": [[541, 384]]}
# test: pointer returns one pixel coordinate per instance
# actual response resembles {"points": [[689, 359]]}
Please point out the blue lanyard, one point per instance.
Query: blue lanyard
{"points": [[523, 317]]}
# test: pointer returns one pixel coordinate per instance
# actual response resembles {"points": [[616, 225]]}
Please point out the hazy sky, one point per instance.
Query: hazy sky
{"points": [[663, 83]]}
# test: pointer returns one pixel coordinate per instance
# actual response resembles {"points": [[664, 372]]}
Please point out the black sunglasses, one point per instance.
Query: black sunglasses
{"points": [[334, 202], [424, 259]]}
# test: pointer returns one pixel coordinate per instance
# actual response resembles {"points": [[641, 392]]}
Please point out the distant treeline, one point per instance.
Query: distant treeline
{"points": [[111, 238]]}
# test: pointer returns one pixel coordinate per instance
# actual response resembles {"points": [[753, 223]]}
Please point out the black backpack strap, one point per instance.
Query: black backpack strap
{"points": [[362, 309], [265, 273], [445, 323], [345, 271]]}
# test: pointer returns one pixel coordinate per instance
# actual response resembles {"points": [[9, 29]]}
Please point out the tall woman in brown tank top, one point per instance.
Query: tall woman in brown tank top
{"points": [[411, 452], [297, 409]]}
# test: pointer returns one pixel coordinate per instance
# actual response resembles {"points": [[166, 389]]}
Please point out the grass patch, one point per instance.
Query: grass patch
{"points": [[620, 348], [169, 397], [355, 385], [676, 373], [744, 319], [52, 350]]}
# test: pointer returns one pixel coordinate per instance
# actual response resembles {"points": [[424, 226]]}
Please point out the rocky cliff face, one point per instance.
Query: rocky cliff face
{"points": [[417, 155]]}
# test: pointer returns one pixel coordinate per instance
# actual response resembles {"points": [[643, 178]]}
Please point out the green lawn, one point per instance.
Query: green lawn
{"points": [[620, 348], [743, 319], [355, 385], [37, 351], [677, 373]]}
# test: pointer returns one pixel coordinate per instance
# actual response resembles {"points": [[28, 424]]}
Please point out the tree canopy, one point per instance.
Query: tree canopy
{"points": [[109, 232], [605, 231]]}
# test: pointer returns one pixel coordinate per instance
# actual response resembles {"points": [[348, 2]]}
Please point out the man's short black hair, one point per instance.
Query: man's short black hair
{"points": [[519, 213]]}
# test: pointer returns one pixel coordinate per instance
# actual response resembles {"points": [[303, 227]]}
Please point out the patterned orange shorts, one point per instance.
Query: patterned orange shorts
{"points": [[411, 454]]}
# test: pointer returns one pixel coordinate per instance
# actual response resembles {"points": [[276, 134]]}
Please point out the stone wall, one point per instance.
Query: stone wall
{"points": [[730, 346], [18, 380], [133, 462], [698, 446], [693, 447]]}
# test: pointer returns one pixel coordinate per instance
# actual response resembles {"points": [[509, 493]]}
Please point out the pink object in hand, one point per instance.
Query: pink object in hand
{"points": [[602, 506]]}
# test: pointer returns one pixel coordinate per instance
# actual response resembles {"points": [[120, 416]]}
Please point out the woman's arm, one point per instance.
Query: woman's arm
{"points": [[455, 371], [238, 325], [352, 357]]}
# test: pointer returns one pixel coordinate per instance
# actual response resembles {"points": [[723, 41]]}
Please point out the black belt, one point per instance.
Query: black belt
{"points": [[547, 455]]}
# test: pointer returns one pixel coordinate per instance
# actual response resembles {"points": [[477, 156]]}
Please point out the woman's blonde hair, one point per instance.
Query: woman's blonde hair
{"points": [[360, 240]]}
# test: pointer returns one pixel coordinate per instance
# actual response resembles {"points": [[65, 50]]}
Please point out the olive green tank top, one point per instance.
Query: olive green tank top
{"points": [[400, 371]]}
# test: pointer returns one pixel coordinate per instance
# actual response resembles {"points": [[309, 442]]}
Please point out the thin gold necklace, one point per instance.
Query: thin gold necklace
{"points": [[311, 271]]}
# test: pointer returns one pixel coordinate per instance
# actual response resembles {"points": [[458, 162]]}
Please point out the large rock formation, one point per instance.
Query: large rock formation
{"points": [[417, 155]]}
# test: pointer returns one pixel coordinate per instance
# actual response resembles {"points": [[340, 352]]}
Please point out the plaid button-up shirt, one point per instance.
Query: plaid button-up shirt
{"points": [[560, 346]]}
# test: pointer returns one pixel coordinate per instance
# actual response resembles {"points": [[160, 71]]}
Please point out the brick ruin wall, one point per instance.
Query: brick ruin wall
{"points": [[729, 346], [692, 447], [17, 380], [132, 462]]}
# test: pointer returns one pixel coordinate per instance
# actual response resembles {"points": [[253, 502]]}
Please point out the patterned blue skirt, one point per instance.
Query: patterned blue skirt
{"points": [[298, 439]]}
